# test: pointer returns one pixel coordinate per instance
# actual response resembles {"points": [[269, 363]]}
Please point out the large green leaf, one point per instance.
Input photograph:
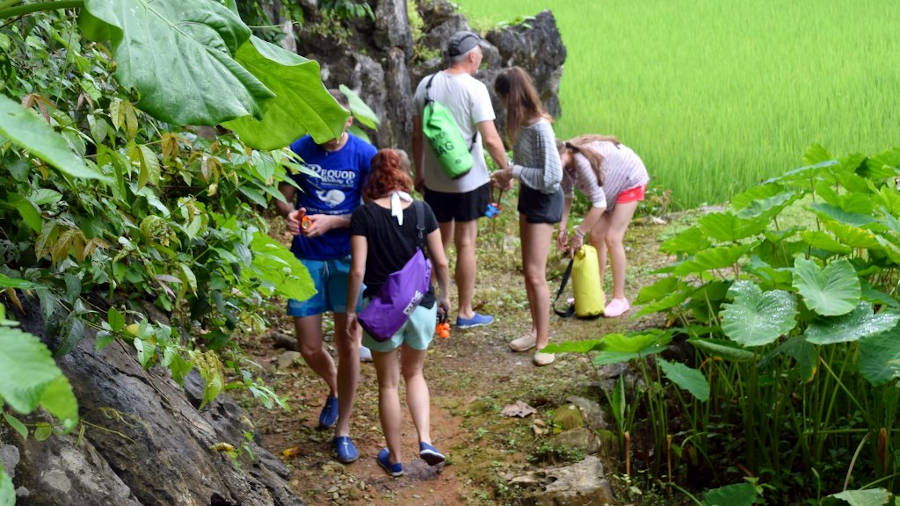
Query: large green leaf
{"points": [[30, 378], [574, 346], [867, 497], [275, 265], [361, 110], [824, 241], [765, 208], [754, 194], [722, 348], [879, 355], [739, 494], [805, 355], [7, 491], [712, 258], [688, 241], [832, 291], [853, 326], [728, 227], [854, 237], [663, 294], [178, 55], [756, 318], [617, 348], [30, 132], [829, 211], [687, 378], [302, 104]]}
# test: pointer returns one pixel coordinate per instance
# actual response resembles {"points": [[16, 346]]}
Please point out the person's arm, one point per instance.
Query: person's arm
{"points": [[549, 171], [587, 181], [321, 223], [493, 143], [359, 250], [578, 233], [441, 268], [562, 236], [287, 209], [418, 153]]}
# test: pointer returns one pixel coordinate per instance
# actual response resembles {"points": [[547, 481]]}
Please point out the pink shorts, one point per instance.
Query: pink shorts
{"points": [[635, 194]]}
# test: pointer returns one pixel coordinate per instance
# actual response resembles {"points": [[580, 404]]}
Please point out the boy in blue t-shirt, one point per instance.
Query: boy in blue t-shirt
{"points": [[322, 243]]}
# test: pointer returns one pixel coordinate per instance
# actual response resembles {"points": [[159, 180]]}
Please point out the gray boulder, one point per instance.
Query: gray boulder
{"points": [[581, 484]]}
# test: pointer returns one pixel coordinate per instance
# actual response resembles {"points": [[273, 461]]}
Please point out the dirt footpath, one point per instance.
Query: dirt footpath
{"points": [[472, 375]]}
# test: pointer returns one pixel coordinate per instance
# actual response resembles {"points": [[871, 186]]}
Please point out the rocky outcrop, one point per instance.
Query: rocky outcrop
{"points": [[377, 60], [579, 484], [143, 440]]}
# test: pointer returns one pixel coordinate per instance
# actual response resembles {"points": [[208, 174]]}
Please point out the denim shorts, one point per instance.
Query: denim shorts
{"points": [[540, 207], [330, 279], [417, 332]]}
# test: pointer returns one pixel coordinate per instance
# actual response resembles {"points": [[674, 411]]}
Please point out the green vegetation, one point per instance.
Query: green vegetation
{"points": [[108, 206], [717, 96], [790, 335]]}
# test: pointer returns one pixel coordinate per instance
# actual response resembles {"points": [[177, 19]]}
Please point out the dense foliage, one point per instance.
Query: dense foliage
{"points": [[111, 211], [785, 309]]}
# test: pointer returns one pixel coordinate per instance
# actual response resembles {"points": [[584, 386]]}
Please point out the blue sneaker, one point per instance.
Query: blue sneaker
{"points": [[344, 449], [384, 461], [329, 415], [430, 454], [476, 320]]}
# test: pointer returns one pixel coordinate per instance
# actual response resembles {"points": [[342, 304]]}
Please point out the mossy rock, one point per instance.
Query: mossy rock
{"points": [[568, 417]]}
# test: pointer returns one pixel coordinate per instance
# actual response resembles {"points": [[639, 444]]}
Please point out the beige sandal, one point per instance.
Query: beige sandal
{"points": [[541, 358], [523, 343]]}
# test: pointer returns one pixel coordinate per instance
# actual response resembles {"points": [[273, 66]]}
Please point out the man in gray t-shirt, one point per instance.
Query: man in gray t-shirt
{"points": [[458, 203]]}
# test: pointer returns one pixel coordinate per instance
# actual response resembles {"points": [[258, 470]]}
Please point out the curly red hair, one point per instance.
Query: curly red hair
{"points": [[389, 173]]}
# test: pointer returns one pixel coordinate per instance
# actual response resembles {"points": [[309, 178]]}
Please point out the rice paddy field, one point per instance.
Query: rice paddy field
{"points": [[718, 95]]}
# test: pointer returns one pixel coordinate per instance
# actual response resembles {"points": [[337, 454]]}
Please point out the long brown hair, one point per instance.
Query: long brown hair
{"points": [[580, 145], [389, 173], [523, 105]]}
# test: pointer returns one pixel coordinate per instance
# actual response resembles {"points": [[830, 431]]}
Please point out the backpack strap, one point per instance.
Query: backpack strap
{"points": [[420, 226], [562, 286], [429, 99]]}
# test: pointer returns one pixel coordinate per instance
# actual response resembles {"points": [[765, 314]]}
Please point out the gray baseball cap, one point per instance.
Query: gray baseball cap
{"points": [[461, 42]]}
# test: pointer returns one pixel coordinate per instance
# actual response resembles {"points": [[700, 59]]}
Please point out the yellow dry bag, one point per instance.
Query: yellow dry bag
{"points": [[589, 298]]}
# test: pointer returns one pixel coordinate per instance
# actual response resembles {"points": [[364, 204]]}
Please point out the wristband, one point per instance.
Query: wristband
{"points": [[579, 233]]}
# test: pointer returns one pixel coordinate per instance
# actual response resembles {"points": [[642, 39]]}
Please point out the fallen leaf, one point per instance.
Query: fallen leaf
{"points": [[519, 409], [291, 452], [221, 447]]}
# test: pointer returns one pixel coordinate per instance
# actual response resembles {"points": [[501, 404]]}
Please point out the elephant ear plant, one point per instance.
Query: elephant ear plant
{"points": [[110, 204], [789, 301]]}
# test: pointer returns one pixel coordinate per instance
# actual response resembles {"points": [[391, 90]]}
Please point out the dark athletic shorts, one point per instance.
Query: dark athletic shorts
{"points": [[540, 207], [459, 206]]}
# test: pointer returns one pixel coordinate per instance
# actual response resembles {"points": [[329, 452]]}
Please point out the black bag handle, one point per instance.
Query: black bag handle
{"points": [[562, 286], [428, 99]]}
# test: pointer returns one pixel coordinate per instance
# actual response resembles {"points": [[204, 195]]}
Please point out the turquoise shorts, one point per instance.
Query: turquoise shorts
{"points": [[417, 332], [330, 279]]}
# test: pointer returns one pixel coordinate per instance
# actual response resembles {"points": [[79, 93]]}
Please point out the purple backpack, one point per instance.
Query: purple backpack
{"points": [[398, 297]]}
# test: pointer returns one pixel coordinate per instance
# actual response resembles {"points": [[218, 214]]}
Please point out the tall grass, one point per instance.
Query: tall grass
{"points": [[716, 96]]}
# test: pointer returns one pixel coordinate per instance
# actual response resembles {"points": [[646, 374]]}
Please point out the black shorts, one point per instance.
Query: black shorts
{"points": [[540, 207], [466, 206]]}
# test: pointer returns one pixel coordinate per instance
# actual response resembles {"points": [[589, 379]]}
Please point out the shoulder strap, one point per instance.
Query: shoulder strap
{"points": [[562, 286], [428, 88], [420, 224]]}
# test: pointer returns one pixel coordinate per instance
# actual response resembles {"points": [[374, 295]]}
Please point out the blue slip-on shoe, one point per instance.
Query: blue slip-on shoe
{"points": [[430, 454], [476, 320], [344, 449], [384, 461], [329, 415]]}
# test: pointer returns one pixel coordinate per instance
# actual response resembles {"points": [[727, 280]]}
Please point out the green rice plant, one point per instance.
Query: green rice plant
{"points": [[794, 331], [718, 96]]}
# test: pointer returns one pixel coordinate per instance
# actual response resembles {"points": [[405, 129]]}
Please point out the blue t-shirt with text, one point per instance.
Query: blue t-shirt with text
{"points": [[337, 191]]}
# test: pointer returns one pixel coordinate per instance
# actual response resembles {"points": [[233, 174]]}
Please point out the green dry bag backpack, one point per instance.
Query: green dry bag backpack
{"points": [[439, 128]]}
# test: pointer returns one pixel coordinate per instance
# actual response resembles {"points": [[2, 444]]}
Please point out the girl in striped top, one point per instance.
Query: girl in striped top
{"points": [[614, 179], [537, 166]]}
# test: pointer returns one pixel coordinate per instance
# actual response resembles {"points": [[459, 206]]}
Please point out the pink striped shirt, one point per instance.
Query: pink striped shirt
{"points": [[622, 168]]}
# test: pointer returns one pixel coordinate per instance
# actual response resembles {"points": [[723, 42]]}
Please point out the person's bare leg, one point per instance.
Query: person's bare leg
{"points": [[308, 330], [466, 234], [598, 241], [615, 241], [347, 372], [529, 289], [412, 365], [388, 372], [536, 239]]}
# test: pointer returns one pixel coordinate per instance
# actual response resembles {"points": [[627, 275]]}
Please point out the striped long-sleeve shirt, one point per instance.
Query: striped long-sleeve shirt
{"points": [[535, 158], [622, 169]]}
